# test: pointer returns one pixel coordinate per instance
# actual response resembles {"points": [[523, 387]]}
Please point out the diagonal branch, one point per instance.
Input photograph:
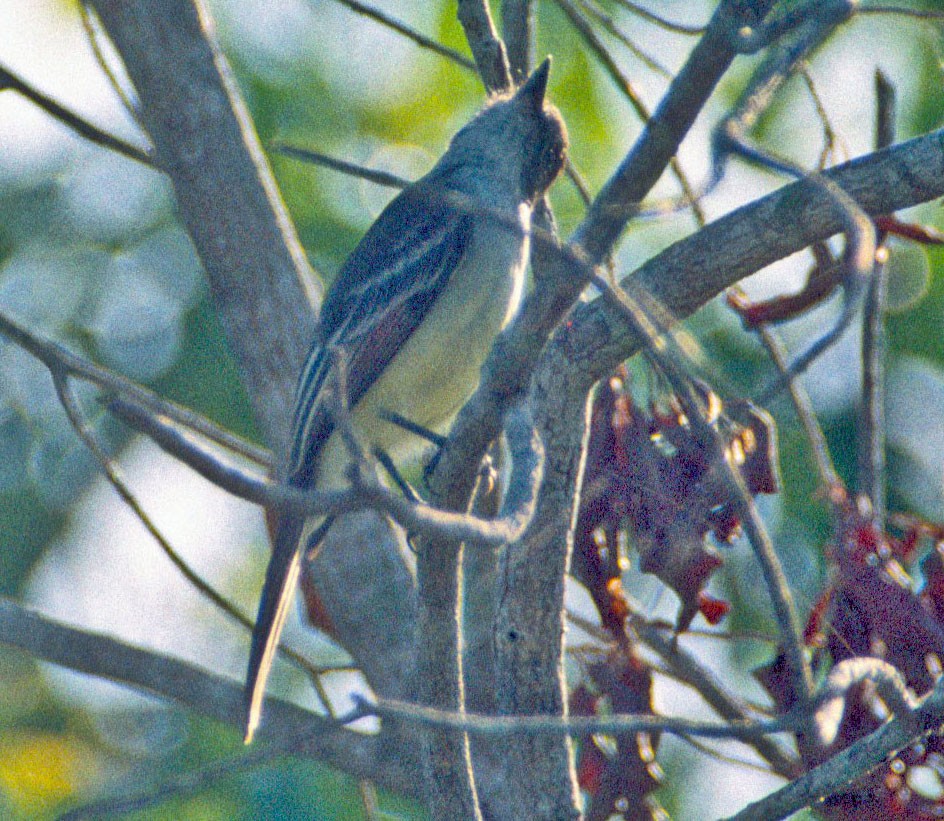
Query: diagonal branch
{"points": [[487, 47], [858, 758], [380, 16], [261, 284], [81, 126], [204, 141], [754, 236]]}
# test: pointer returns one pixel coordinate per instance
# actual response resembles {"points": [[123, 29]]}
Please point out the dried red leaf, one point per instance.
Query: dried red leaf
{"points": [[714, 610], [813, 633], [629, 773], [647, 472], [591, 768], [873, 609], [822, 279]]}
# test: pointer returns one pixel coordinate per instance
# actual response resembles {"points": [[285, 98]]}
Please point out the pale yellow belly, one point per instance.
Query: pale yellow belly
{"points": [[438, 368]]}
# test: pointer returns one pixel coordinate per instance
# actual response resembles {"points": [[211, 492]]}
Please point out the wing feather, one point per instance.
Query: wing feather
{"points": [[379, 298]]}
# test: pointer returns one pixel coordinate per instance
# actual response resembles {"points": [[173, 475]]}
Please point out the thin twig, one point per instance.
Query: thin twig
{"points": [[577, 180], [112, 473], [598, 47], [830, 139], [858, 260], [683, 664], [667, 627], [389, 180], [716, 755], [609, 25], [136, 415], [81, 126], [777, 352], [576, 726], [309, 155], [379, 16], [799, 32], [828, 475], [123, 392], [872, 413], [110, 470], [903, 11], [93, 30], [668, 25]]}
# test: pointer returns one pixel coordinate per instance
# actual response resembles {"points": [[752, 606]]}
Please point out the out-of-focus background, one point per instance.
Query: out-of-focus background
{"points": [[92, 255]]}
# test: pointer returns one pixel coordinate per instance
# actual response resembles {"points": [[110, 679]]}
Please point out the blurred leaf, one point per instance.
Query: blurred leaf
{"points": [[909, 276], [40, 771]]}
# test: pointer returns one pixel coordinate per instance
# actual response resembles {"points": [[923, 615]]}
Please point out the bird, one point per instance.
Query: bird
{"points": [[415, 309]]}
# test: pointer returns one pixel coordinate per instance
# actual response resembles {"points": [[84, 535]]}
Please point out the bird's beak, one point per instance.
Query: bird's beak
{"points": [[535, 86]]}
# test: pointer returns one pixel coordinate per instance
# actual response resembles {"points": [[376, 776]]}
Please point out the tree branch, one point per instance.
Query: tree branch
{"points": [[857, 759], [261, 285], [518, 30], [296, 730], [576, 726], [750, 238], [487, 47], [529, 636], [228, 201]]}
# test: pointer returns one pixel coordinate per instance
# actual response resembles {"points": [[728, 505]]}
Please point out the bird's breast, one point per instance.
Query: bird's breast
{"points": [[438, 367]]}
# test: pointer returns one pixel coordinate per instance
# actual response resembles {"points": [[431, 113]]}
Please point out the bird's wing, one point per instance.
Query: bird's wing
{"points": [[380, 296]]}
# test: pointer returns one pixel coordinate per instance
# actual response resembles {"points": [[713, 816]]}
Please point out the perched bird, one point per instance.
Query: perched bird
{"points": [[415, 308]]}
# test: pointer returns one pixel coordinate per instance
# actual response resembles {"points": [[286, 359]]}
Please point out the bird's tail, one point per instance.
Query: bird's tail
{"points": [[277, 596]]}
